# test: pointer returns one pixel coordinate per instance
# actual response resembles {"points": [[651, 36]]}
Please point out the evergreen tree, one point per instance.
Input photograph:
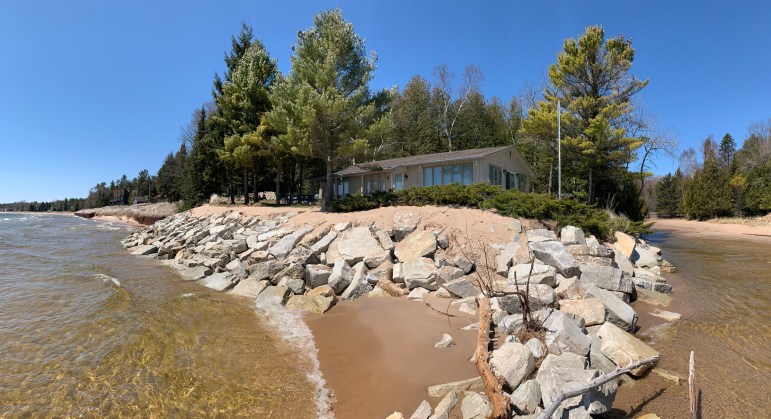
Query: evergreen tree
{"points": [[668, 196], [708, 194], [727, 150]]}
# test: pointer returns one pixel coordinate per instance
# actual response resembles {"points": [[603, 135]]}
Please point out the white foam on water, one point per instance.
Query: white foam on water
{"points": [[6, 219], [294, 331], [107, 278], [187, 295]]}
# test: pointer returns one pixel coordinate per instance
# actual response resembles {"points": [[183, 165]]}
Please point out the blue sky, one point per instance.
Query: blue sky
{"points": [[92, 90]]}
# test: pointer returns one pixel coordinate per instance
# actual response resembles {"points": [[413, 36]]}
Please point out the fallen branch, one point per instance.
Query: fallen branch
{"points": [[549, 410], [492, 386], [691, 380]]}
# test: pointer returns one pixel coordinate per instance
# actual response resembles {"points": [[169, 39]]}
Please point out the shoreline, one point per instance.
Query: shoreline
{"points": [[697, 229]]}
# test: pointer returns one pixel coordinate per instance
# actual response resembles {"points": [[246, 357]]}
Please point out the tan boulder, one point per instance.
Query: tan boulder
{"points": [[590, 309], [623, 349], [416, 245], [625, 243]]}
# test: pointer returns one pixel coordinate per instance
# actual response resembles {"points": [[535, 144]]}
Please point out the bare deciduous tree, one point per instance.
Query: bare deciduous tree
{"points": [[472, 78]]}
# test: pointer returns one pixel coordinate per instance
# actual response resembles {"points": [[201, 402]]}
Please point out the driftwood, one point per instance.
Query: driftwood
{"points": [[691, 380], [552, 407], [493, 388]]}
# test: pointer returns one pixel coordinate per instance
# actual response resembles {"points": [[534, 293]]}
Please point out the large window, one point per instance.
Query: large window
{"points": [[496, 175], [343, 187], [516, 181], [375, 182], [445, 175]]}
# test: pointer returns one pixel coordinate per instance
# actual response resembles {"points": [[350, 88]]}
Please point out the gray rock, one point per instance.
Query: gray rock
{"points": [[236, 268], [358, 244], [476, 406], [323, 244], [285, 245], [274, 294], [398, 273], [652, 286], [540, 296], [417, 244], [442, 410], [562, 335], [617, 311], [340, 277], [249, 288], [384, 239], [418, 294], [526, 397], [445, 342], [570, 288], [303, 255], [196, 273], [420, 272], [542, 274], [463, 263], [644, 258], [608, 278], [342, 226], [554, 253], [572, 235], [423, 411], [504, 258], [317, 275], [597, 360], [512, 362], [623, 349], [560, 372], [441, 390], [219, 281], [359, 285], [537, 349], [144, 250], [384, 272], [622, 262], [462, 288], [540, 235], [265, 270], [404, 224], [296, 285], [293, 271], [449, 273], [589, 309]]}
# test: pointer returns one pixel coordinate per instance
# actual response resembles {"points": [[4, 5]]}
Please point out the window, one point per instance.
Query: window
{"points": [[374, 183], [522, 182], [399, 181], [445, 175], [343, 187], [496, 175]]}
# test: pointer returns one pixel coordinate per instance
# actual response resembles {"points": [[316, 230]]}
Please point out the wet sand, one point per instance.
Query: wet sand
{"points": [[378, 353]]}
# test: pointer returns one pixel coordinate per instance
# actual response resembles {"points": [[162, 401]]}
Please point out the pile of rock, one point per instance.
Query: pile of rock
{"points": [[579, 290]]}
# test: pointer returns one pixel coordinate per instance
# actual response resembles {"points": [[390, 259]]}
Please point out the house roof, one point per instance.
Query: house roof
{"points": [[375, 166]]}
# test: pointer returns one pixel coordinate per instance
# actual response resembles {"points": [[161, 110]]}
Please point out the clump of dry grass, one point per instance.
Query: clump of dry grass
{"points": [[748, 221]]}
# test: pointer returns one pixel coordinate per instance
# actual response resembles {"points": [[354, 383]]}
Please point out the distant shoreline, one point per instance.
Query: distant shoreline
{"points": [[708, 229]]}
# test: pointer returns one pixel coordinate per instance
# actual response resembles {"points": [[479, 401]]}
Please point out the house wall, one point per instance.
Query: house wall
{"points": [[509, 160]]}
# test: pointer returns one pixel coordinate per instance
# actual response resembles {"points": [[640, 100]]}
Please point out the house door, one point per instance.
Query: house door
{"points": [[398, 181]]}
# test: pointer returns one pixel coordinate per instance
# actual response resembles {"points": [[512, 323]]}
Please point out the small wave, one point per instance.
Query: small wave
{"points": [[6, 219], [294, 331], [107, 278]]}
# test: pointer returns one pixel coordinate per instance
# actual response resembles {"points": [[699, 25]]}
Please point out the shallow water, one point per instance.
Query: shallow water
{"points": [[723, 290], [88, 330]]}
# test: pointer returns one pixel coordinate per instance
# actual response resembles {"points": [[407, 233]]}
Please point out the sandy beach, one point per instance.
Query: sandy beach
{"points": [[697, 229]]}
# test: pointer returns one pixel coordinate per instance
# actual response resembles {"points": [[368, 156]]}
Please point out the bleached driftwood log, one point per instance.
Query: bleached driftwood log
{"points": [[493, 388]]}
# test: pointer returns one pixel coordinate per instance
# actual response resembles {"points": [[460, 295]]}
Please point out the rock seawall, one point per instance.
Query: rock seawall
{"points": [[579, 289]]}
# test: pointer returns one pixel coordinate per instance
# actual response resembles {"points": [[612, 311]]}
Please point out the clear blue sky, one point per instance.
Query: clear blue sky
{"points": [[92, 90]]}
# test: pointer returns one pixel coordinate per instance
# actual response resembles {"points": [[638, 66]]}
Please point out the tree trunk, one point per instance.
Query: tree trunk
{"points": [[246, 185], [591, 187], [278, 181], [300, 180], [254, 179], [231, 189], [327, 186]]}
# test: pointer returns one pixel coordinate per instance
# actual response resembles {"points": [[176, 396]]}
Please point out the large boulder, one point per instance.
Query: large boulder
{"points": [[504, 258], [340, 277], [625, 244], [359, 285], [512, 362], [420, 272], [265, 270], [219, 281], [462, 288], [608, 278], [317, 275], [441, 390], [644, 258], [562, 335], [249, 288], [540, 235], [570, 288], [622, 261], [293, 271], [323, 243], [463, 263], [416, 245], [404, 224], [445, 406], [623, 348], [476, 406], [526, 398], [385, 240], [236, 268], [144, 250], [554, 253], [558, 373], [540, 296], [317, 304], [542, 274], [195, 273], [358, 244], [570, 235], [423, 411], [617, 311], [285, 245], [590, 309], [274, 294]]}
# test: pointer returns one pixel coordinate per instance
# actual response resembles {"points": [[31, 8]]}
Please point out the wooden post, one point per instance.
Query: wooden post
{"points": [[691, 380]]}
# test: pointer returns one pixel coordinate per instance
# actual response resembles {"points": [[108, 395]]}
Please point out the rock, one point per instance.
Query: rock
{"points": [[653, 297], [503, 260], [417, 244], [442, 410], [293, 271], [275, 294], [303, 255], [623, 348], [522, 270], [512, 362], [324, 290], [442, 240], [420, 272], [449, 273], [397, 275], [639, 282], [296, 285], [445, 342], [540, 235], [441, 390], [536, 348], [644, 258], [572, 235], [590, 309], [317, 275], [323, 244], [554, 253], [560, 372], [358, 244], [666, 315], [423, 411], [617, 311], [597, 360], [418, 294], [253, 243], [540, 296], [625, 244], [359, 285], [526, 398], [249, 287], [462, 288], [265, 270], [443, 293], [547, 277], [340, 277], [623, 262], [514, 226], [548, 314], [196, 273], [237, 269], [144, 250], [395, 415], [476, 406], [570, 288], [285, 245], [562, 335], [318, 304], [463, 263], [385, 240], [404, 224], [219, 281], [468, 309], [384, 272], [342, 226]]}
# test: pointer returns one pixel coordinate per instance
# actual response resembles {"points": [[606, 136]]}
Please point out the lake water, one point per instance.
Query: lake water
{"points": [[87, 329]]}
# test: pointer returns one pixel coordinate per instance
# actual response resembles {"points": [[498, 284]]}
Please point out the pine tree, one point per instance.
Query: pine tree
{"points": [[709, 193], [727, 150]]}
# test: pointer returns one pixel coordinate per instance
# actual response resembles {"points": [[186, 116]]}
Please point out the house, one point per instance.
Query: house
{"points": [[502, 166]]}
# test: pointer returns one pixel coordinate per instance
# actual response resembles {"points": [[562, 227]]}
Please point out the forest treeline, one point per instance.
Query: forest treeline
{"points": [[725, 182], [268, 131]]}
